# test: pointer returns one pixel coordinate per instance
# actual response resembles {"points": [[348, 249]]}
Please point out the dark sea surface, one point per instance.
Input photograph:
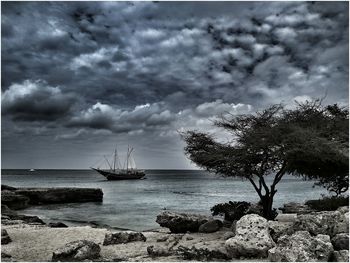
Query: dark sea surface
{"points": [[134, 204]]}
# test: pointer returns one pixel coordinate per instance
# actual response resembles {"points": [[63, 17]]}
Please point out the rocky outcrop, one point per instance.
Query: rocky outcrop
{"points": [[340, 256], [252, 238], [14, 200], [10, 218], [77, 251], [341, 241], [181, 223], [296, 208], [158, 251], [325, 222], [210, 226], [5, 238], [209, 253], [123, 237], [39, 196], [57, 225], [301, 246], [278, 229]]}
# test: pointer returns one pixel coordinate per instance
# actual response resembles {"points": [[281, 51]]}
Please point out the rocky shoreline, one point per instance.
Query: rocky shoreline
{"points": [[304, 235]]}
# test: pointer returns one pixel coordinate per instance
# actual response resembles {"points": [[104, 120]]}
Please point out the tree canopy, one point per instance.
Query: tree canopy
{"points": [[310, 141]]}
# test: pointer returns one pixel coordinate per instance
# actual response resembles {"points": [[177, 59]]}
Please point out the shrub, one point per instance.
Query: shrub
{"points": [[328, 203]]}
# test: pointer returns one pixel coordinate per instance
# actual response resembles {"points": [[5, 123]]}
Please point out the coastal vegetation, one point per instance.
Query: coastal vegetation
{"points": [[310, 140]]}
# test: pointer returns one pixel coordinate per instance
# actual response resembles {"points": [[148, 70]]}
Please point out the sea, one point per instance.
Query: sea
{"points": [[134, 204]]}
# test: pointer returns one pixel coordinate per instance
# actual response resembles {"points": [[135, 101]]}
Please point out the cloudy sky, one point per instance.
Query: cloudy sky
{"points": [[79, 78]]}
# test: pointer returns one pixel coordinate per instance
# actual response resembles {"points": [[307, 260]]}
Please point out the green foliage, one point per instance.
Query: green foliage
{"points": [[328, 203], [231, 210]]}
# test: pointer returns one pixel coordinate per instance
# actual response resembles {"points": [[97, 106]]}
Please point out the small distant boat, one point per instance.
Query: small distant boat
{"points": [[116, 173], [32, 170]]}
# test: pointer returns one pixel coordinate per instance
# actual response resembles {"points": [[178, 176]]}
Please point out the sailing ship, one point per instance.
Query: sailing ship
{"points": [[116, 173]]}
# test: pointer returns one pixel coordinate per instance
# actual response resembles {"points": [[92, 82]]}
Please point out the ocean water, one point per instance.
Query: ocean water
{"points": [[134, 204]]}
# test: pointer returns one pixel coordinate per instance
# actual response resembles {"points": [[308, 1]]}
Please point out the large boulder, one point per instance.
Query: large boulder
{"points": [[39, 196], [181, 223], [301, 246], [296, 208], [203, 253], [5, 238], [252, 238], [123, 237], [340, 256], [79, 250], [14, 200], [325, 222], [341, 241], [210, 226]]}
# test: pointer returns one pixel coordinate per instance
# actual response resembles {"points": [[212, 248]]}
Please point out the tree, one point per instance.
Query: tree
{"points": [[304, 141]]}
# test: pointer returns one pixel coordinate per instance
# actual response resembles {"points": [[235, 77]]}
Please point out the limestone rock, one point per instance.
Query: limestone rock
{"points": [[252, 238], [5, 238], [123, 237], [340, 256], [14, 200], [295, 208], [204, 253], [277, 229], [210, 226], [57, 225], [342, 225], [158, 251], [181, 223], [301, 246], [341, 241], [77, 251], [228, 235]]}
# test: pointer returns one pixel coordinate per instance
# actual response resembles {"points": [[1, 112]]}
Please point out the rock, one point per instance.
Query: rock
{"points": [[209, 253], [181, 223], [343, 209], [77, 251], [286, 217], [295, 208], [210, 226], [5, 238], [340, 256], [189, 238], [252, 238], [14, 200], [123, 237], [5, 255], [228, 235], [57, 225], [277, 229], [233, 226], [158, 251], [325, 222], [39, 196], [341, 241], [26, 219], [6, 210], [162, 239], [301, 246], [7, 187]]}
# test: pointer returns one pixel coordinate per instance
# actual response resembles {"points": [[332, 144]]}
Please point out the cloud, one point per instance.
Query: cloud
{"points": [[35, 101]]}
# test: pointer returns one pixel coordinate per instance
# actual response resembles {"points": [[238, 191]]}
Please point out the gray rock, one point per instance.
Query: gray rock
{"points": [[278, 229], [252, 238], [343, 209], [295, 208], [162, 239], [233, 226], [5, 255], [5, 238], [204, 253], [340, 256], [123, 237], [189, 238], [7, 187], [14, 200], [181, 223], [158, 251], [14, 217], [301, 246], [57, 225], [210, 226], [77, 251], [325, 222], [341, 241]]}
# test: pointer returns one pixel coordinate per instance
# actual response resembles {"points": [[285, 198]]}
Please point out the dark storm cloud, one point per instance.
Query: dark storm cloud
{"points": [[144, 69]]}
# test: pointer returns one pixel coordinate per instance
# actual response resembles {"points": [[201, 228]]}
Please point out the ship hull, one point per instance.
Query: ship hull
{"points": [[121, 176]]}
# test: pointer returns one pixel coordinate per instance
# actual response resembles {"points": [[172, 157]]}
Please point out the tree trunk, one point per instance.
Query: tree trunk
{"points": [[267, 201]]}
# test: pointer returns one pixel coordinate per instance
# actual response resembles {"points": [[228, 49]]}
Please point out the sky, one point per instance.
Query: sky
{"points": [[81, 78]]}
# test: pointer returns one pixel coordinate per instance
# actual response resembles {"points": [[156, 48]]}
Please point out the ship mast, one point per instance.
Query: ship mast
{"points": [[115, 156], [127, 159]]}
